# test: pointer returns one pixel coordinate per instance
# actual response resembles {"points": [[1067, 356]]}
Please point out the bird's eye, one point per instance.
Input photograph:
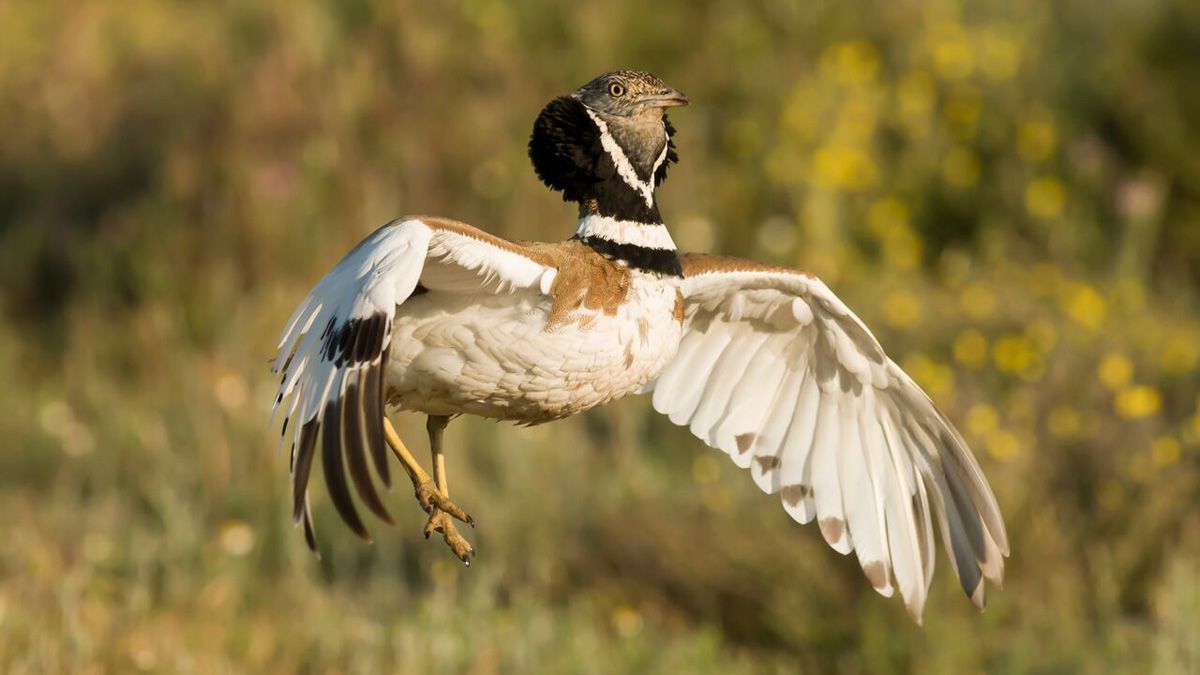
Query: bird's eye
{"points": [[616, 90]]}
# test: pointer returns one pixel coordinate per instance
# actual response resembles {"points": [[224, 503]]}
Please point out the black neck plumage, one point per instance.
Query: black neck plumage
{"points": [[653, 260], [569, 153]]}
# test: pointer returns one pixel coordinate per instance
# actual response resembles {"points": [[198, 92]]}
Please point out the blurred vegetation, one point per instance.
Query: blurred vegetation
{"points": [[1009, 192]]}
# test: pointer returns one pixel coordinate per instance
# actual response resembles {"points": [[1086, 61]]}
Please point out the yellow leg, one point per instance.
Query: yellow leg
{"points": [[414, 470], [433, 494], [435, 426]]}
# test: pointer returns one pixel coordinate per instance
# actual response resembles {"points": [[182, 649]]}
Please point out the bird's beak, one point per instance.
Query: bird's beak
{"points": [[667, 98]]}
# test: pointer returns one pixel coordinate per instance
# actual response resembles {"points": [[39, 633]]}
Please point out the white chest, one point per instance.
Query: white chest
{"points": [[522, 357]]}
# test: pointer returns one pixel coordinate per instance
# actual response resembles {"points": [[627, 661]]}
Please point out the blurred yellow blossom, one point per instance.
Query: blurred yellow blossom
{"points": [[230, 390], [705, 469], [962, 111], [1002, 445], [800, 117], [1014, 354], [854, 62], [915, 95], [237, 538], [855, 121], [901, 309], [960, 167], [1036, 140], [627, 621], [1000, 55], [1044, 198], [981, 419], [903, 250], [1064, 421], [937, 379], [1115, 371], [977, 301], [1164, 451], [1084, 305], [1180, 354], [971, 348], [952, 56], [1043, 334], [1138, 401], [886, 216], [843, 167]]}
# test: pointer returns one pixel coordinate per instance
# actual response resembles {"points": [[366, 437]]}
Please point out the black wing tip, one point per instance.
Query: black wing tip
{"points": [[335, 471], [356, 454]]}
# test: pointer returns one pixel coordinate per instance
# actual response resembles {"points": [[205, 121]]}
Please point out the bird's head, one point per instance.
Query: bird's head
{"points": [[633, 94], [607, 144]]}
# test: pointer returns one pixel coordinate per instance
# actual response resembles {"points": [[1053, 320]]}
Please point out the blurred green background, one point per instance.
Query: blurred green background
{"points": [[1008, 192]]}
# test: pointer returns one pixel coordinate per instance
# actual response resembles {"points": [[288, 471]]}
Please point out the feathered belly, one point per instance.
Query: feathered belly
{"points": [[509, 357]]}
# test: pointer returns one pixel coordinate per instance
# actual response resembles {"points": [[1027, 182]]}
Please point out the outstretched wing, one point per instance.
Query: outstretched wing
{"points": [[334, 349], [778, 373]]}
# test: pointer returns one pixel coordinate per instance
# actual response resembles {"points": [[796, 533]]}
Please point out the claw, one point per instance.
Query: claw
{"points": [[439, 521], [430, 497]]}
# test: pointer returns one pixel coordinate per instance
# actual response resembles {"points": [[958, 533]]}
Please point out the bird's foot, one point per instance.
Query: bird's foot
{"points": [[430, 497], [439, 521], [441, 510]]}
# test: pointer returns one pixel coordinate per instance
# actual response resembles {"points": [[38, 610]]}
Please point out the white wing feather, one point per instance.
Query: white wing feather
{"points": [[777, 372]]}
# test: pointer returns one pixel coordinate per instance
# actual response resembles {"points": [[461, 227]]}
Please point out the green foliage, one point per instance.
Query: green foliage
{"points": [[1007, 192]]}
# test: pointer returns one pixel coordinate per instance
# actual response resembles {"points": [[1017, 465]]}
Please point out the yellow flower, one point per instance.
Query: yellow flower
{"points": [[1042, 334], [901, 309], [999, 55], [935, 378], [953, 58], [915, 94], [843, 167], [1138, 401], [960, 167], [977, 301], [237, 538], [1002, 445], [1115, 371], [1036, 140], [962, 112], [1181, 354], [855, 121], [886, 216], [1164, 451], [1064, 421], [854, 62], [981, 419], [627, 621], [902, 251], [1084, 305], [1044, 198], [971, 348], [705, 469], [1014, 354]]}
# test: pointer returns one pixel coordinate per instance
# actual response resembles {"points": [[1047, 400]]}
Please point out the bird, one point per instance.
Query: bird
{"points": [[760, 361]]}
